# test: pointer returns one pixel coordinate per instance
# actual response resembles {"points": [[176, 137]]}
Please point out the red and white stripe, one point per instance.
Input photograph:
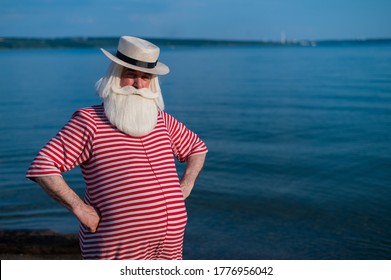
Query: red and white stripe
{"points": [[131, 180]]}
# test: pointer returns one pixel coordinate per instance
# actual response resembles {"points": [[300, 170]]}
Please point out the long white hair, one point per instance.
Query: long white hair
{"points": [[113, 77]]}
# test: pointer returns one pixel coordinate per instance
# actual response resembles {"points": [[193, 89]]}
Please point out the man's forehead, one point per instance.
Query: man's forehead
{"points": [[134, 71]]}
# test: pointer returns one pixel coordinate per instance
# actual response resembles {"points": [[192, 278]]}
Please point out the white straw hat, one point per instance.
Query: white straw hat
{"points": [[138, 54]]}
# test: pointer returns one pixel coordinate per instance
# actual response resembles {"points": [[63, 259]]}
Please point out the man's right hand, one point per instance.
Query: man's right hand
{"points": [[89, 217], [58, 189]]}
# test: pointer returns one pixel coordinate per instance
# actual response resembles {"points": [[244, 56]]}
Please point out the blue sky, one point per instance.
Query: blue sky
{"points": [[208, 19]]}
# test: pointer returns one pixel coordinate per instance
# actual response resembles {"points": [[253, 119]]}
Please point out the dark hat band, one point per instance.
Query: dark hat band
{"points": [[136, 62]]}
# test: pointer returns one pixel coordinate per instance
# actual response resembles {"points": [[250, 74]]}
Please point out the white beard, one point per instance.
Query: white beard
{"points": [[133, 111]]}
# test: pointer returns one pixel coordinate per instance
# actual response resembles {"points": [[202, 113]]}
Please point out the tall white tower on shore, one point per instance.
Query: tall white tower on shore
{"points": [[283, 38]]}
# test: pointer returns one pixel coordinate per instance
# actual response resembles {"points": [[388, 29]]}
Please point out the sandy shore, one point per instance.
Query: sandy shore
{"points": [[38, 245]]}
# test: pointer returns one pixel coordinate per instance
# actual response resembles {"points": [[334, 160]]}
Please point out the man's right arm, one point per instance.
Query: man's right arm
{"points": [[58, 189]]}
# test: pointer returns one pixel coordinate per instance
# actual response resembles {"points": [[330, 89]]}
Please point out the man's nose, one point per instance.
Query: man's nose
{"points": [[138, 83]]}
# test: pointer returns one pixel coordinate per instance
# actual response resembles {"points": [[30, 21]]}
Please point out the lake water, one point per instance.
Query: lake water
{"points": [[299, 138]]}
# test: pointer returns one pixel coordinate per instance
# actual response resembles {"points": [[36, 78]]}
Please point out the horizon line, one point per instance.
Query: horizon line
{"points": [[194, 38], [108, 42]]}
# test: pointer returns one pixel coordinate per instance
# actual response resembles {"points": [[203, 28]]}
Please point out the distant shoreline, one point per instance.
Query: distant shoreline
{"points": [[9, 43], [38, 245]]}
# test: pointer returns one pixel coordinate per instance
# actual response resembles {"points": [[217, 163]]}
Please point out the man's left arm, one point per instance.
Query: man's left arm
{"points": [[193, 168]]}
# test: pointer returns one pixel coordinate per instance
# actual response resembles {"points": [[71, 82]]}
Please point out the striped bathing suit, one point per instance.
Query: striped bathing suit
{"points": [[132, 181]]}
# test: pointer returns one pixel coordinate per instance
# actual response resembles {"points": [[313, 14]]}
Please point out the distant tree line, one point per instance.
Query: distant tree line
{"points": [[107, 42]]}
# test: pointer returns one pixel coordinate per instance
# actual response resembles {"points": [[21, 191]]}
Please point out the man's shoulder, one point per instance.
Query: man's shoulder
{"points": [[91, 113], [169, 119], [91, 110], [165, 115]]}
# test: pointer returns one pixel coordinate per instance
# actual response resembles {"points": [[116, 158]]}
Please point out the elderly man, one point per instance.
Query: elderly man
{"points": [[134, 201]]}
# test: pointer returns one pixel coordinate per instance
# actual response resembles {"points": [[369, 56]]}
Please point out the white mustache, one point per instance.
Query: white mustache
{"points": [[129, 90]]}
